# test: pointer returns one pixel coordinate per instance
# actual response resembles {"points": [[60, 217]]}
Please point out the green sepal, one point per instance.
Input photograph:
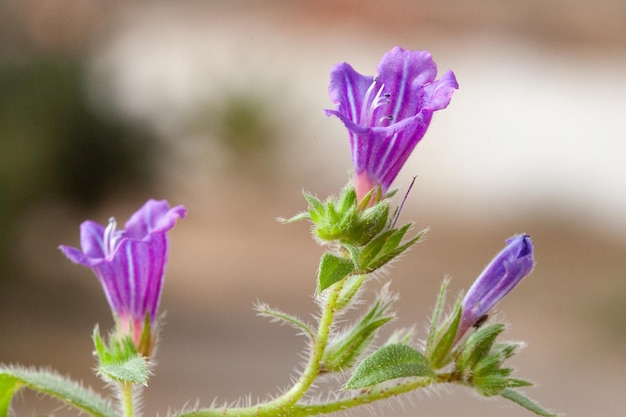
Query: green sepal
{"points": [[286, 318], [478, 346], [347, 199], [493, 383], [480, 361], [315, 205], [525, 402], [119, 360], [343, 220], [332, 269], [390, 362], [442, 341], [300, 216], [371, 222], [342, 353], [494, 360], [74, 394], [384, 248], [145, 341], [371, 198]]}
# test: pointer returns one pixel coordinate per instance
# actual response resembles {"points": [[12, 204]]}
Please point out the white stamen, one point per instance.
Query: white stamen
{"points": [[111, 237], [368, 108]]}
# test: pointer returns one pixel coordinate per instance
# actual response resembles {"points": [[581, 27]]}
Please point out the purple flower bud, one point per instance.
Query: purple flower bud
{"points": [[504, 272], [387, 115], [130, 263]]}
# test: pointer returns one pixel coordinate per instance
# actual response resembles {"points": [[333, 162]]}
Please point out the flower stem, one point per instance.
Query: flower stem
{"points": [[312, 369], [126, 389]]}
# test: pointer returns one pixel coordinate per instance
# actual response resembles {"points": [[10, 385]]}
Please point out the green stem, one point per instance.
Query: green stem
{"points": [[364, 396], [127, 398], [312, 369], [370, 395]]}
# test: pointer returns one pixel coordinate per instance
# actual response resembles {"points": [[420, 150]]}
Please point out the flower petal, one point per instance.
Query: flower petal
{"points": [[92, 239], [502, 274], [439, 93], [348, 89], [404, 74], [153, 216], [386, 116], [131, 271]]}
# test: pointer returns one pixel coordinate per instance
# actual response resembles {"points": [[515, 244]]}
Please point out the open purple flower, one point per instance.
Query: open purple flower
{"points": [[130, 265], [387, 115], [504, 272]]}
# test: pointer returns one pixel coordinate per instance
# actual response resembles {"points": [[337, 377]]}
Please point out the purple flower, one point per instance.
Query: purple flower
{"points": [[387, 115], [504, 272], [130, 264]]}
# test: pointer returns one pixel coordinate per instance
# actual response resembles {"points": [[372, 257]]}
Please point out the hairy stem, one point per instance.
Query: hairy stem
{"points": [[362, 397], [126, 391]]}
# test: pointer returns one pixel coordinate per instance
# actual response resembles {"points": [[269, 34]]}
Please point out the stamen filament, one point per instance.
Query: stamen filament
{"points": [[111, 237], [369, 106]]}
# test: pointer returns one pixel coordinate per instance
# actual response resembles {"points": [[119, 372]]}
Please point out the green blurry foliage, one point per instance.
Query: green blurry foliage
{"points": [[54, 146], [246, 130], [242, 125]]}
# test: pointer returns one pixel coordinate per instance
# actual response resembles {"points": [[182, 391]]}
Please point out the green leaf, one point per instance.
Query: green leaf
{"points": [[133, 370], [8, 387], [332, 269], [72, 393], [342, 353], [434, 320], [443, 341], [390, 362], [277, 315], [526, 402]]}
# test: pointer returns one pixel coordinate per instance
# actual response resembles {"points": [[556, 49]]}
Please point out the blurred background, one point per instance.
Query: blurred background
{"points": [[218, 105]]}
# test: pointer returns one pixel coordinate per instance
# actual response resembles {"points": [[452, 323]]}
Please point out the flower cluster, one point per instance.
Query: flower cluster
{"points": [[386, 116]]}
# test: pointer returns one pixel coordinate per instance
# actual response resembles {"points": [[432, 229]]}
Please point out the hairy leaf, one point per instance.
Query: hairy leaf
{"points": [[332, 269], [526, 402], [72, 393], [390, 362]]}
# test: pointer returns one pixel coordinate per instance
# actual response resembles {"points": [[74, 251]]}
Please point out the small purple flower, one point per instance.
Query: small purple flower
{"points": [[387, 115], [504, 272], [130, 264]]}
